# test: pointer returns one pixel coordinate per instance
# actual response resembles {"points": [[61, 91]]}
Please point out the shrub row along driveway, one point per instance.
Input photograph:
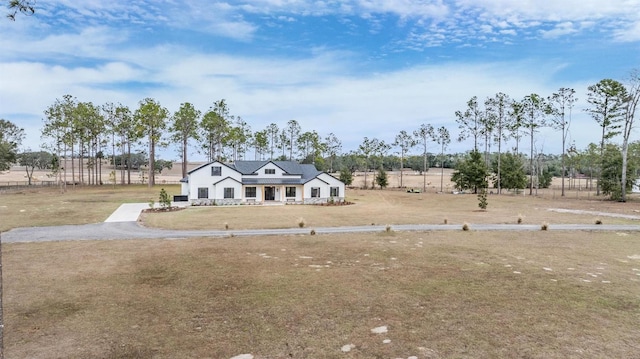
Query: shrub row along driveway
{"points": [[122, 224], [133, 230]]}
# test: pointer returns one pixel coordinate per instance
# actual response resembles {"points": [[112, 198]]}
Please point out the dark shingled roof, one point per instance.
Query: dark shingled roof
{"points": [[307, 171]]}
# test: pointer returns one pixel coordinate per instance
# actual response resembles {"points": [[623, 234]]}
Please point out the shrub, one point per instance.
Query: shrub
{"points": [[519, 219], [313, 232], [301, 222], [164, 200], [545, 226], [465, 226], [482, 200], [382, 179], [226, 225], [387, 228], [152, 203], [446, 221], [346, 176], [598, 221]]}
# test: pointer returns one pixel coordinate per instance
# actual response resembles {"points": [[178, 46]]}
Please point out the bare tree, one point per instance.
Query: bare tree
{"points": [[151, 119], [516, 122], [443, 138], [561, 102], [25, 7], [535, 108], [273, 134], [333, 147], [470, 122], [497, 108], [630, 106], [405, 142], [423, 135], [293, 131]]}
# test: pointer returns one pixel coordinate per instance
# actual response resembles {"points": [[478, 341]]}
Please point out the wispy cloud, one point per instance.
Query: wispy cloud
{"points": [[379, 66]]}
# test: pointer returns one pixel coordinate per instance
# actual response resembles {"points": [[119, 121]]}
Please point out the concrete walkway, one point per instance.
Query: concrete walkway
{"points": [[129, 212]]}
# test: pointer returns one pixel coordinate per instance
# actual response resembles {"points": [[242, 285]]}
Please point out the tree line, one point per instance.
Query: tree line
{"points": [[83, 132], [612, 105]]}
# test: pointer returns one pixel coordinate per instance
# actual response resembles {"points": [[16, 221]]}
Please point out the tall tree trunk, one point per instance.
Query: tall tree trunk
{"points": [[623, 181], [424, 170], [152, 153], [601, 160], [531, 165], [442, 169], [499, 179], [562, 162], [401, 166], [122, 158], [129, 161], [73, 167], [184, 157]]}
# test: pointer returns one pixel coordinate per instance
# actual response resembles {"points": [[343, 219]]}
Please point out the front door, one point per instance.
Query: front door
{"points": [[269, 193]]}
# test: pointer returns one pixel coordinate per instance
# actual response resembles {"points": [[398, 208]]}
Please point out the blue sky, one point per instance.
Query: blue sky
{"points": [[355, 68]]}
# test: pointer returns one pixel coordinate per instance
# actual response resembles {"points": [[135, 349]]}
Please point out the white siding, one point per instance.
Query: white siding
{"points": [[259, 194], [324, 182], [202, 177], [279, 173], [228, 177], [283, 193], [333, 182], [324, 189], [218, 189]]}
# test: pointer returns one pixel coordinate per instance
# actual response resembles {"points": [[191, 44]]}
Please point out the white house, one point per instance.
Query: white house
{"points": [[260, 182]]}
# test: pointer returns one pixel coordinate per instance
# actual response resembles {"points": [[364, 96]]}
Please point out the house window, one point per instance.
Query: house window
{"points": [[250, 192], [290, 192], [334, 192], [203, 192], [228, 192], [269, 171], [216, 171], [315, 191]]}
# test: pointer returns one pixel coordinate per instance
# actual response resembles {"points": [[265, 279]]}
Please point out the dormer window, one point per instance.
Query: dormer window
{"points": [[216, 170], [269, 171]]}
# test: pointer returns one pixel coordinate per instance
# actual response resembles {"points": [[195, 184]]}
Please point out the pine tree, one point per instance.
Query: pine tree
{"points": [[381, 178]]}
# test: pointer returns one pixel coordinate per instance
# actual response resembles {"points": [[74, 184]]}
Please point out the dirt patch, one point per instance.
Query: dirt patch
{"points": [[309, 296]]}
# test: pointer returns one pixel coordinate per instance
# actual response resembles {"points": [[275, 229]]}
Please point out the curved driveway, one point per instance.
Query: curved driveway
{"points": [[122, 224], [133, 230]]}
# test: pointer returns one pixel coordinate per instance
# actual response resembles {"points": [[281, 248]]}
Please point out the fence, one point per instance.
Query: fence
{"points": [[19, 184]]}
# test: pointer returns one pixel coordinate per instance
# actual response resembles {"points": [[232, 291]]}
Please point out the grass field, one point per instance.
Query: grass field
{"points": [[440, 295], [49, 207], [394, 207]]}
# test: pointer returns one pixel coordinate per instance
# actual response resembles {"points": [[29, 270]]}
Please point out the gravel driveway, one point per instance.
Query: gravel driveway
{"points": [[133, 230], [122, 224]]}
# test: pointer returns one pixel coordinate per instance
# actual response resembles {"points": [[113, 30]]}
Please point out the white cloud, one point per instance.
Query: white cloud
{"points": [[560, 29], [630, 33], [89, 42], [92, 59], [319, 92]]}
